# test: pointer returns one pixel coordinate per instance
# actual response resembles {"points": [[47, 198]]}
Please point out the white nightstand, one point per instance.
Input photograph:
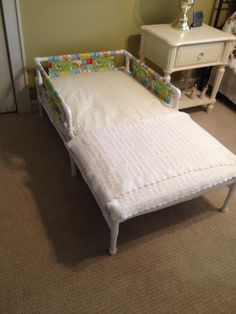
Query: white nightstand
{"points": [[175, 50]]}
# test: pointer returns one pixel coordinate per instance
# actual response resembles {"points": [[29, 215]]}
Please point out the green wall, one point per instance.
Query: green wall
{"points": [[67, 26]]}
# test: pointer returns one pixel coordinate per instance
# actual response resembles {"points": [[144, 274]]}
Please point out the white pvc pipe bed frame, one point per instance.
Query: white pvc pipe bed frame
{"points": [[67, 133]]}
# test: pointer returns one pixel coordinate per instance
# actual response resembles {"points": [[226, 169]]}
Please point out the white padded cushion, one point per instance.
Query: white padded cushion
{"points": [[149, 163], [101, 99], [171, 190]]}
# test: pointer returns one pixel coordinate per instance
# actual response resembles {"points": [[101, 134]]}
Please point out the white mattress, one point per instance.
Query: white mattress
{"points": [[101, 99], [149, 163], [174, 189]]}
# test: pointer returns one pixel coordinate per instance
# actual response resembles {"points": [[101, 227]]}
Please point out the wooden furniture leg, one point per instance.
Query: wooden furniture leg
{"points": [[114, 236], [142, 58], [219, 75], [166, 77], [232, 189]]}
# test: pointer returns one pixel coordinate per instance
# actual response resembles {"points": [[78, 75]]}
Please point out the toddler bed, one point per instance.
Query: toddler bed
{"points": [[136, 152]]}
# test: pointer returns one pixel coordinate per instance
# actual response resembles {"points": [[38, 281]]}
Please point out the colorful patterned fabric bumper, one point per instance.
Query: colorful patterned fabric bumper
{"points": [[67, 65], [152, 81], [80, 63]]}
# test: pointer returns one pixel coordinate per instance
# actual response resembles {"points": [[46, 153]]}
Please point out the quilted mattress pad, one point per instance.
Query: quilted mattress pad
{"points": [[102, 99], [147, 163]]}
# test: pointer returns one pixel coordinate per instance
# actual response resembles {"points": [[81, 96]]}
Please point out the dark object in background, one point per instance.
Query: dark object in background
{"points": [[205, 75], [224, 7], [198, 18]]}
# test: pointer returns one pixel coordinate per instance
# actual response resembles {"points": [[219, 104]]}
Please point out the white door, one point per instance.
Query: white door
{"points": [[7, 98]]}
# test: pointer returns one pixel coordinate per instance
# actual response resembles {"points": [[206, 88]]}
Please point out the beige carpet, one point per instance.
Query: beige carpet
{"points": [[53, 238]]}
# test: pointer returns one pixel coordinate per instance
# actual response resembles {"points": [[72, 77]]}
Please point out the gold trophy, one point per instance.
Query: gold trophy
{"points": [[182, 23]]}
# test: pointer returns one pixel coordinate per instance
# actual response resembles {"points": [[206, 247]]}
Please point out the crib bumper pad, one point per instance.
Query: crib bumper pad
{"points": [[148, 163]]}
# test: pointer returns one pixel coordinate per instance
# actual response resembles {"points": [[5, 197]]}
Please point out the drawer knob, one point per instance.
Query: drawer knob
{"points": [[201, 55]]}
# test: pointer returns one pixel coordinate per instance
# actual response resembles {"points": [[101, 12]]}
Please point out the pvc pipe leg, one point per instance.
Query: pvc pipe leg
{"points": [[114, 236], [232, 189], [73, 167]]}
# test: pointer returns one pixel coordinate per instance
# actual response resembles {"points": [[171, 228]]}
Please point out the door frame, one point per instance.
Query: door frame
{"points": [[15, 43]]}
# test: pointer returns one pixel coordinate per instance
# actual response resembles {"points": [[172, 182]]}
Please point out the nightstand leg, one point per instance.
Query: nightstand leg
{"points": [[166, 77], [141, 56], [219, 75], [210, 107], [142, 59]]}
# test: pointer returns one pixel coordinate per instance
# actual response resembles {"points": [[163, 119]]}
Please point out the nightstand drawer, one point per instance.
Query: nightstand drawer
{"points": [[198, 54]]}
